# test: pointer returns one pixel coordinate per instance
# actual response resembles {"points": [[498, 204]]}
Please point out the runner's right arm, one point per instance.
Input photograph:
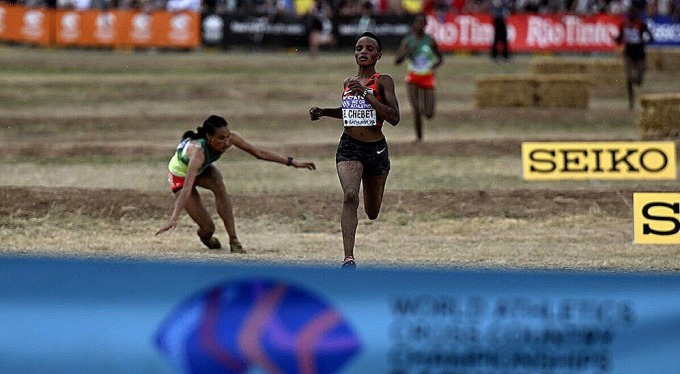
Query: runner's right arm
{"points": [[196, 158]]}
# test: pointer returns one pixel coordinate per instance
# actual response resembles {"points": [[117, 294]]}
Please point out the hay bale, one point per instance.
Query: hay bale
{"points": [[654, 59], [664, 59], [660, 116], [562, 90], [606, 71], [504, 91], [601, 71], [544, 90], [554, 65]]}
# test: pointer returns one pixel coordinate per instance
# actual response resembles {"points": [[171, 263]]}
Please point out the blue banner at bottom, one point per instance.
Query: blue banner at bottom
{"points": [[96, 316]]}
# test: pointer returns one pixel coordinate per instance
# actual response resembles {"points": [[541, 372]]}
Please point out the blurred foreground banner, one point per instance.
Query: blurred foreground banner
{"points": [[96, 316]]}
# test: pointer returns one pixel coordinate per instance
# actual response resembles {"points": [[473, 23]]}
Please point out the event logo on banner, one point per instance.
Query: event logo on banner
{"points": [[68, 30], [570, 31], [105, 28], [473, 31], [656, 218], [213, 29], [3, 13], [244, 325], [180, 28], [445, 333], [176, 29], [85, 28], [599, 160], [35, 28], [141, 30], [665, 30]]}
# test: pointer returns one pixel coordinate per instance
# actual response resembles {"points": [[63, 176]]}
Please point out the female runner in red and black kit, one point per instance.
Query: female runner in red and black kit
{"points": [[368, 99]]}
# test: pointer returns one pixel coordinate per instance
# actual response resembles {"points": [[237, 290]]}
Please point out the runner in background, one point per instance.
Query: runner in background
{"points": [[424, 57], [634, 34], [368, 99], [192, 166]]}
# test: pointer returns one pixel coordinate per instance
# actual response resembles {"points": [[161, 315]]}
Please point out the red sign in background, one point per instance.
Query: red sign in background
{"points": [[528, 33]]}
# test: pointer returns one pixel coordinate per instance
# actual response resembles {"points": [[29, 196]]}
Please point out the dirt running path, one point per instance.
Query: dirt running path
{"points": [[22, 202]]}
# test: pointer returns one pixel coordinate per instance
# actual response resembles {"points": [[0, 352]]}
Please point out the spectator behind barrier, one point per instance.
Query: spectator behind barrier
{"points": [[350, 8], [320, 26], [366, 21], [183, 5], [412, 6]]}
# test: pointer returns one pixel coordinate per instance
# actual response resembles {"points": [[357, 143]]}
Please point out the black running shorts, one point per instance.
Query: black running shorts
{"points": [[373, 155], [635, 52]]}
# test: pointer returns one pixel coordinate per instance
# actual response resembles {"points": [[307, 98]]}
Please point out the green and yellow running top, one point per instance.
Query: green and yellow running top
{"points": [[179, 162], [422, 55]]}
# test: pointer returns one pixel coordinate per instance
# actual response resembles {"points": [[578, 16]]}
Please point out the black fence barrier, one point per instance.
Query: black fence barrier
{"points": [[253, 31]]}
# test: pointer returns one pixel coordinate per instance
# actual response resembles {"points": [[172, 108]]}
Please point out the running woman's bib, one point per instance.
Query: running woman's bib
{"points": [[356, 111]]}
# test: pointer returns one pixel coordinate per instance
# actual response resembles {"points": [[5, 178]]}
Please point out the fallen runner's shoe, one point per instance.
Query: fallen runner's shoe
{"points": [[349, 263], [212, 243], [236, 247]]}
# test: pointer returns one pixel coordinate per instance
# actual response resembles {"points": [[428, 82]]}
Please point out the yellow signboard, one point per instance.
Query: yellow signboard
{"points": [[656, 218], [598, 160]]}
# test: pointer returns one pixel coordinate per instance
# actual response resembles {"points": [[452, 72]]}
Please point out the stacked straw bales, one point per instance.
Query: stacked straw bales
{"points": [[505, 90], [660, 115], [562, 90], [664, 59], [553, 90], [601, 71]]}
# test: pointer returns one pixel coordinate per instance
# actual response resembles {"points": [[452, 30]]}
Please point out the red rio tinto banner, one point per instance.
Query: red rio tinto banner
{"points": [[528, 33]]}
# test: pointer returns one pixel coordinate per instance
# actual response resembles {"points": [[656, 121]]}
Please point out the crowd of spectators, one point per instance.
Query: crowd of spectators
{"points": [[365, 8]]}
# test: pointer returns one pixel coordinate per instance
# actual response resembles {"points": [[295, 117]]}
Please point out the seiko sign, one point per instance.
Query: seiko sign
{"points": [[657, 218], [599, 160]]}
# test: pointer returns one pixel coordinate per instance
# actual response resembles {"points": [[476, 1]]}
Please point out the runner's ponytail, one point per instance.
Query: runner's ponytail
{"points": [[209, 126]]}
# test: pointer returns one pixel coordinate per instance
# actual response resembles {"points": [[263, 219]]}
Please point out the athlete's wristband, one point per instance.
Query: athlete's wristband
{"points": [[290, 161], [363, 94]]}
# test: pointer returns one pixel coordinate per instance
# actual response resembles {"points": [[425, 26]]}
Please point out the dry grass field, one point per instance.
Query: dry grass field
{"points": [[86, 136]]}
